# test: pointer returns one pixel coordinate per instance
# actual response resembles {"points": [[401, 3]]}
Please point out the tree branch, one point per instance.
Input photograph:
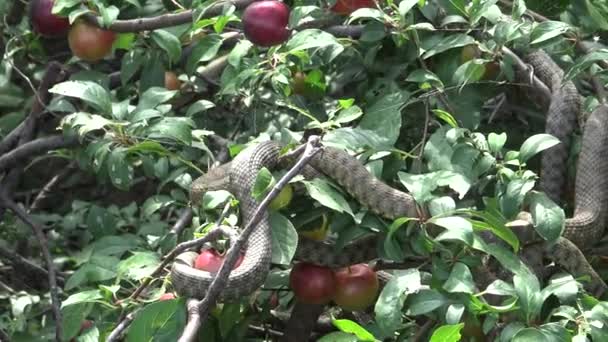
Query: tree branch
{"points": [[168, 20], [205, 305], [35, 147], [55, 302]]}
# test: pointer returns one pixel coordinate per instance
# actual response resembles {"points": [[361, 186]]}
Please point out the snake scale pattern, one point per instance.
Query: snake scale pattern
{"points": [[239, 177]]}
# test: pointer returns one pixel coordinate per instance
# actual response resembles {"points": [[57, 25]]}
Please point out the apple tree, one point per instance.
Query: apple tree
{"points": [[111, 109]]}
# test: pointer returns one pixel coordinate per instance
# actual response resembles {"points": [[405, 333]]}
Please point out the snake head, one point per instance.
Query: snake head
{"points": [[215, 179]]}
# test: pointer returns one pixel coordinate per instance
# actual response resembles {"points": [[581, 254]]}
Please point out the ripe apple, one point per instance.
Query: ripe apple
{"points": [[166, 296], [44, 21], [492, 70], [283, 198], [211, 260], [356, 287], [171, 81], [346, 7], [90, 43], [265, 22], [312, 284]]}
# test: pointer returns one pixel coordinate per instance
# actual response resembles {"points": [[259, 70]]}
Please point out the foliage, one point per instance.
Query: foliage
{"points": [[401, 97]]}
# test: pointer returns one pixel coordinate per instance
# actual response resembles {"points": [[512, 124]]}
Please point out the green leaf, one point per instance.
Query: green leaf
{"points": [[130, 64], [139, 265], [549, 218], [213, 199], [390, 302], [425, 301], [547, 30], [160, 321], [460, 280], [348, 115], [351, 327], [322, 192], [457, 228], [154, 203], [153, 72], [446, 117], [199, 106], [205, 50], [72, 318], [99, 268], [90, 296], [513, 198], [119, 169], [356, 139], [263, 184], [584, 62], [174, 128], [496, 141], [535, 144], [339, 336], [406, 5], [88, 91], [449, 42], [152, 97], [479, 9], [447, 333], [284, 239], [528, 291], [314, 39], [169, 43], [239, 51], [469, 72], [384, 116]]}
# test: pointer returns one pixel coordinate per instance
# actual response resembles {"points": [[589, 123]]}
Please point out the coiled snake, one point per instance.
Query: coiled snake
{"points": [[239, 176]]}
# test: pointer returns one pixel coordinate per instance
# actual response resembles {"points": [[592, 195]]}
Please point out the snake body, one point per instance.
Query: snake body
{"points": [[586, 226], [238, 176]]}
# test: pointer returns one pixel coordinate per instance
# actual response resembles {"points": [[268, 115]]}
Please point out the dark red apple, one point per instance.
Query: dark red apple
{"points": [[356, 287], [312, 284], [265, 22], [211, 260], [44, 21], [346, 7], [86, 324], [90, 43], [171, 81]]}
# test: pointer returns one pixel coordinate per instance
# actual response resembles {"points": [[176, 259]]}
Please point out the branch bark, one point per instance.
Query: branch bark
{"points": [[55, 302], [35, 147]]}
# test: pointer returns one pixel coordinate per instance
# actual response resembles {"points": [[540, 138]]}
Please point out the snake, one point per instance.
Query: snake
{"points": [[239, 175]]}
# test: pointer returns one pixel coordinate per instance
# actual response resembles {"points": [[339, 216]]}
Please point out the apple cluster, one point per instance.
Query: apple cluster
{"points": [[352, 288], [88, 42]]}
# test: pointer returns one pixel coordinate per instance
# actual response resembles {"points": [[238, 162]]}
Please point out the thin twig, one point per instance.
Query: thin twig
{"points": [[20, 261], [48, 187], [55, 302], [184, 219], [222, 276], [116, 334]]}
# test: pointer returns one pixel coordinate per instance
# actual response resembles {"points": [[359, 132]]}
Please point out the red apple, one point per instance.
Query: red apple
{"points": [[312, 284], [211, 260], [356, 287], [44, 21], [166, 296], [346, 7], [171, 81], [265, 22], [90, 43], [86, 324]]}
